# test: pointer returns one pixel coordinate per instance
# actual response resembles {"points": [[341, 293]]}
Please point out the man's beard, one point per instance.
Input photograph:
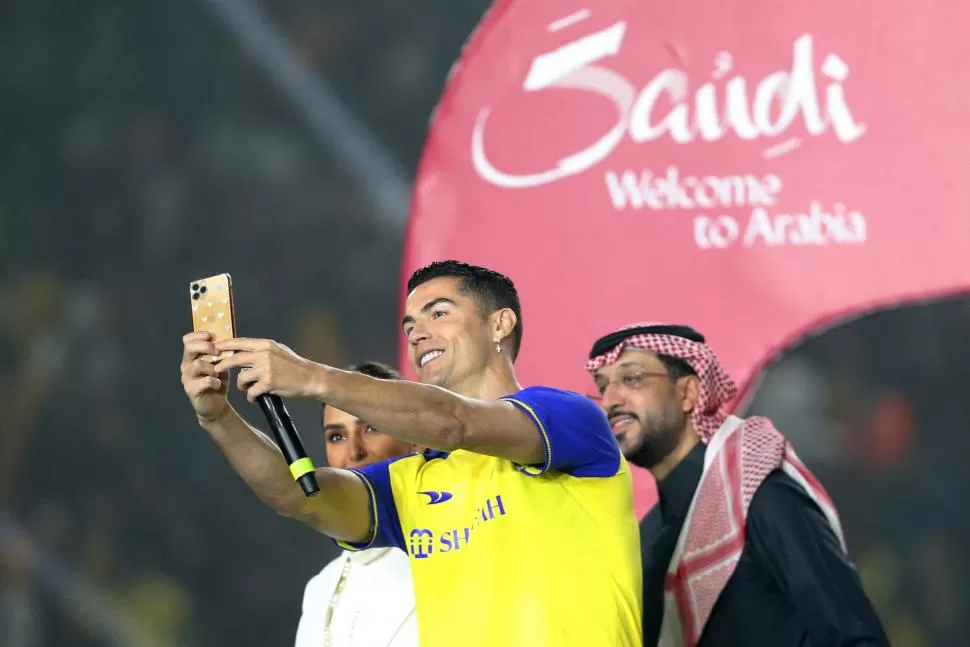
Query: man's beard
{"points": [[661, 434]]}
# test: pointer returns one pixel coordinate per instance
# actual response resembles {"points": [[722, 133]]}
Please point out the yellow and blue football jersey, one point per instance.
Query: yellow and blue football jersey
{"points": [[505, 554]]}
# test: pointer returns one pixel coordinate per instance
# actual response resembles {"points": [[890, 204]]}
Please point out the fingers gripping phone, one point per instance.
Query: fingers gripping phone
{"points": [[213, 309]]}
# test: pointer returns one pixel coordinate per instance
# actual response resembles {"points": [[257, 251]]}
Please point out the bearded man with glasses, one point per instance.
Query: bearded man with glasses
{"points": [[745, 546]]}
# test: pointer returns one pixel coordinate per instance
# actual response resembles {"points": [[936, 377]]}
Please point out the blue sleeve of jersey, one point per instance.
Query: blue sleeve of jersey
{"points": [[577, 437], [384, 521]]}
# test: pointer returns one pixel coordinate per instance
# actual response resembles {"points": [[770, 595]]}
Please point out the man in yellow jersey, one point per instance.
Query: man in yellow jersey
{"points": [[520, 526]]}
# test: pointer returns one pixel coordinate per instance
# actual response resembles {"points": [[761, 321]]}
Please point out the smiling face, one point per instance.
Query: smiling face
{"points": [[647, 407], [449, 338]]}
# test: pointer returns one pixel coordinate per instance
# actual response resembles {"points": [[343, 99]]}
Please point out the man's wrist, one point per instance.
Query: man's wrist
{"points": [[208, 422], [321, 378]]}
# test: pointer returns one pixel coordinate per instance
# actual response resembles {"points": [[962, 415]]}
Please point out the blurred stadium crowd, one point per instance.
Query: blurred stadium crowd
{"points": [[142, 148]]}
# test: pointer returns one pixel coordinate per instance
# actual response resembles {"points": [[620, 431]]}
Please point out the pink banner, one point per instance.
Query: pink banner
{"points": [[755, 170]]}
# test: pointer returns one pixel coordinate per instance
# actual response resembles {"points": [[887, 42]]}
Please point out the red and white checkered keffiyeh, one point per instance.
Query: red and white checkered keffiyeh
{"points": [[740, 455], [717, 386]]}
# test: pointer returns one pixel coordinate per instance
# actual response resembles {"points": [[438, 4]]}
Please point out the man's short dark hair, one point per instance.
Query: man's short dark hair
{"points": [[491, 290], [374, 369]]}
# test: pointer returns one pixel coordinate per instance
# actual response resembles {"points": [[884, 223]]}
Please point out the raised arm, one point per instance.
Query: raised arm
{"points": [[434, 417], [342, 507], [415, 413], [539, 428]]}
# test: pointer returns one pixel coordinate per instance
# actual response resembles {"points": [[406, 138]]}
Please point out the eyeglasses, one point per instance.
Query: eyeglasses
{"points": [[631, 381]]}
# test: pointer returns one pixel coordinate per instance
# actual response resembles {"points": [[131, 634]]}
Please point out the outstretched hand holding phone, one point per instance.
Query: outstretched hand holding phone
{"points": [[213, 313], [252, 454]]}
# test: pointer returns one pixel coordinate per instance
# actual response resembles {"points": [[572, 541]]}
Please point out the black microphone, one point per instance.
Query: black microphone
{"points": [[301, 467]]}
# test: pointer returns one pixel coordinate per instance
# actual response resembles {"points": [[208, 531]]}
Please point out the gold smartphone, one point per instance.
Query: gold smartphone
{"points": [[213, 309]]}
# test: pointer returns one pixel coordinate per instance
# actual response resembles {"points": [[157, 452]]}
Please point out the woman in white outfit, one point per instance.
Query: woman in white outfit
{"points": [[365, 598]]}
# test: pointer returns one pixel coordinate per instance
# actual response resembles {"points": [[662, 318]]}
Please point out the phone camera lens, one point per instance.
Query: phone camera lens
{"points": [[196, 295], [202, 289], [195, 286]]}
